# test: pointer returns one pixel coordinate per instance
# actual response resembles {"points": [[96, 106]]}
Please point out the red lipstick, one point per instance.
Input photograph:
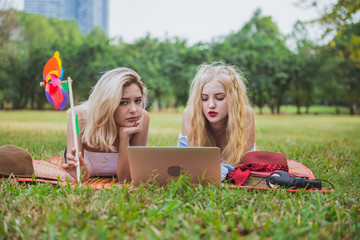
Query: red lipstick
{"points": [[132, 119], [212, 113]]}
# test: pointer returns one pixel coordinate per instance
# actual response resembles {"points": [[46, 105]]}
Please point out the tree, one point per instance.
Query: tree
{"points": [[20, 67], [342, 19], [40, 38], [302, 68], [145, 57], [92, 56], [337, 15], [347, 47], [329, 87], [179, 63], [260, 47]]}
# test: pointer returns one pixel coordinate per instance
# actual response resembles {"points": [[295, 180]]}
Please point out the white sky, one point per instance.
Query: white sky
{"points": [[197, 20]]}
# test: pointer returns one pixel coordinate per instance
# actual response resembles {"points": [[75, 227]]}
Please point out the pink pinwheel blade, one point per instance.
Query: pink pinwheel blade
{"points": [[55, 94]]}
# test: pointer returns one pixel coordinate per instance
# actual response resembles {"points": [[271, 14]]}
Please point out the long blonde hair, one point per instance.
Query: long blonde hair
{"points": [[98, 111], [237, 131]]}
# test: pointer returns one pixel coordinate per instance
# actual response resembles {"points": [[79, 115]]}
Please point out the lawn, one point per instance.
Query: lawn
{"points": [[327, 144]]}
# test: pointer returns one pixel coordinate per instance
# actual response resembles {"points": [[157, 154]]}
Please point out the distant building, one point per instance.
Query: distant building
{"points": [[89, 13]]}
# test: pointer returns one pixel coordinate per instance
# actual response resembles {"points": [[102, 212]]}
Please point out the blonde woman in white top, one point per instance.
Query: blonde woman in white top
{"points": [[218, 113], [112, 119]]}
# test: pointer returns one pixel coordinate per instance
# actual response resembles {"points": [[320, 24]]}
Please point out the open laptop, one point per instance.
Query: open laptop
{"points": [[202, 164]]}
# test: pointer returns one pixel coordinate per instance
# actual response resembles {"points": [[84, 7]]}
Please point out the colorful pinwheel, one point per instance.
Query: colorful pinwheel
{"points": [[55, 91]]}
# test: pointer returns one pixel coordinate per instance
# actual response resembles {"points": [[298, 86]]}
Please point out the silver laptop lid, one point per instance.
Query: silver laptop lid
{"points": [[202, 164]]}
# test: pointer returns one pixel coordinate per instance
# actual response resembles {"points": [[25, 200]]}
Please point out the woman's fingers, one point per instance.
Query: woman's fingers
{"points": [[69, 165], [85, 170], [70, 157], [72, 160], [140, 123], [73, 163], [138, 127], [73, 151], [81, 159]]}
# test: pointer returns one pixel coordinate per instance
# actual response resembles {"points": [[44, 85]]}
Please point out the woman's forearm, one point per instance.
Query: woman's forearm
{"points": [[123, 169]]}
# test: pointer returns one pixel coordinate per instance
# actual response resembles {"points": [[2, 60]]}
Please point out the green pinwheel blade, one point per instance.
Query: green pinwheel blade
{"points": [[65, 86], [77, 125]]}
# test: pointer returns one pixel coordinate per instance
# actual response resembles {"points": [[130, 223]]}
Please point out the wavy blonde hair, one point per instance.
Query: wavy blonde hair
{"points": [[237, 131], [98, 111]]}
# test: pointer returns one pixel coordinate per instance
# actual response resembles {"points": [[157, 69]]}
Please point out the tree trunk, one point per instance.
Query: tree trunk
{"points": [[159, 103], [278, 104], [337, 110], [32, 102], [177, 101], [351, 108], [272, 109], [298, 109]]}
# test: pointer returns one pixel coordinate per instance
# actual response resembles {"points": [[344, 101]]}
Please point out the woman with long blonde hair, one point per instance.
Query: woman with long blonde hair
{"points": [[218, 113], [112, 119]]}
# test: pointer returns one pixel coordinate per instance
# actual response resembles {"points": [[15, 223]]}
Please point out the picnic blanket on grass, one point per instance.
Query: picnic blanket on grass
{"points": [[52, 172]]}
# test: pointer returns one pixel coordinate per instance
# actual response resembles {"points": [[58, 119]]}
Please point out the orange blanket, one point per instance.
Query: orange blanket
{"points": [[53, 173]]}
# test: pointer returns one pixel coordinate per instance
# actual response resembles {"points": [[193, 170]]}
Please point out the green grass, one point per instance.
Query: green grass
{"points": [[313, 109], [327, 144]]}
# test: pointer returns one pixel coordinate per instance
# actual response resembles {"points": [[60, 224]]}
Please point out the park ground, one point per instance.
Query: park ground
{"points": [[326, 143]]}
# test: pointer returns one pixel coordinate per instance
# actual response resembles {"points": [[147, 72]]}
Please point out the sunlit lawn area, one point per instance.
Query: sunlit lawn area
{"points": [[327, 144]]}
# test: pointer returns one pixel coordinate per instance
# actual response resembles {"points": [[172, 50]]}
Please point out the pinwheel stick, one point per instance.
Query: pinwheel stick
{"points": [[74, 128], [69, 81]]}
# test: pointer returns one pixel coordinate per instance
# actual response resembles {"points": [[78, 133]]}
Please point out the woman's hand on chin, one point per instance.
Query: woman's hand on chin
{"points": [[128, 131], [72, 163]]}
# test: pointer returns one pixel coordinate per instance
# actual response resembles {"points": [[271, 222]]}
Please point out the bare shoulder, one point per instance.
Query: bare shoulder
{"points": [[251, 123], [146, 116], [80, 113], [186, 112], [185, 121], [250, 113], [250, 110]]}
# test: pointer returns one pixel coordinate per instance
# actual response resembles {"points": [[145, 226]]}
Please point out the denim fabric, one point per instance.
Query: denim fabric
{"points": [[182, 141], [253, 149], [225, 169]]}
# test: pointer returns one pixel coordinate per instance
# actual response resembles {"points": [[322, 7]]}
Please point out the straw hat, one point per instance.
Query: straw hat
{"points": [[15, 160], [263, 163], [256, 166]]}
